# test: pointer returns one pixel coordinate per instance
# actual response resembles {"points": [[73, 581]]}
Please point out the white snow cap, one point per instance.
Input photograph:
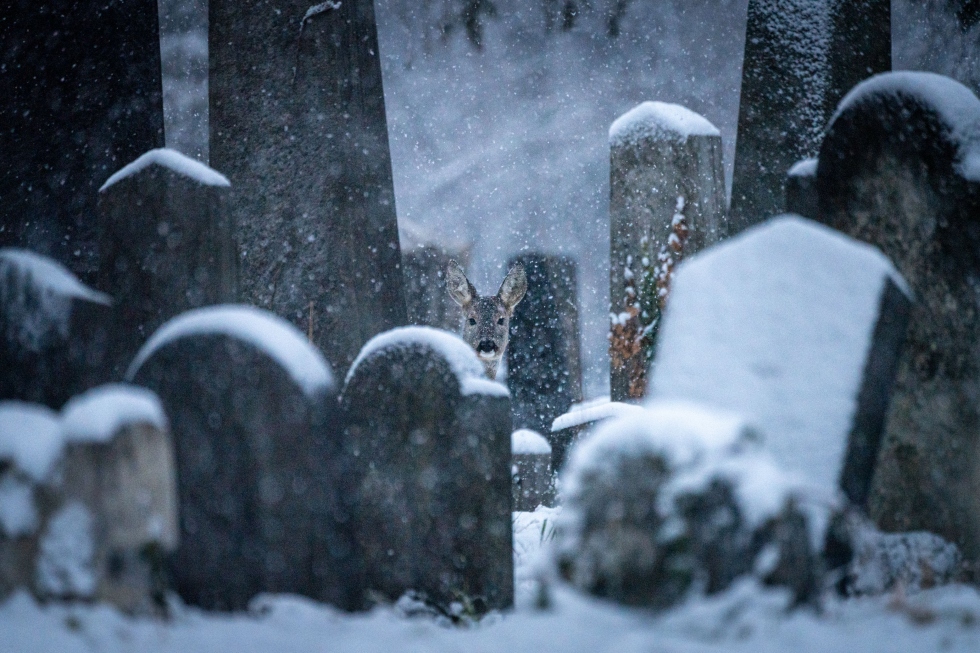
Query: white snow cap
{"points": [[776, 324], [30, 437], [592, 411], [100, 413], [956, 105], [659, 119], [174, 161], [460, 356], [48, 275], [526, 441], [804, 168], [279, 339]]}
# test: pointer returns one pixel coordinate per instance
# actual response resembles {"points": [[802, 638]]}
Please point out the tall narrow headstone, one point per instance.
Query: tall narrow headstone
{"points": [[432, 508], [800, 60], [532, 480], [81, 97], [54, 330], [900, 168], [798, 328], [544, 361], [424, 261], [166, 245], [667, 200], [253, 410], [297, 122], [801, 189]]}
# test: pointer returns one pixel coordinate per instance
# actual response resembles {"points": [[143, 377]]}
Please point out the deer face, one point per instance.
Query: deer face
{"points": [[486, 320]]}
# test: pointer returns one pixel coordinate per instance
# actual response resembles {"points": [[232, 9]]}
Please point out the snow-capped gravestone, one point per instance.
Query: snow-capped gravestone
{"points": [[531, 470], [119, 481], [682, 498], [253, 410], [544, 360], [798, 328], [31, 444], [900, 168], [801, 189], [81, 95], [428, 436], [166, 245], [424, 261], [800, 60], [569, 427], [54, 330], [667, 199], [297, 122]]}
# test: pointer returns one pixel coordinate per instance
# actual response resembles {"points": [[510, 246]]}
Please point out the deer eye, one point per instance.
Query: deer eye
{"points": [[500, 321], [472, 321]]}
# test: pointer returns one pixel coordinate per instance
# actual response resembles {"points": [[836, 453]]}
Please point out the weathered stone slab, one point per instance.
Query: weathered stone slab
{"points": [[568, 428], [900, 168], [54, 330], [544, 360], [81, 95], [253, 411], [680, 500], [801, 189], [432, 508], [667, 200], [166, 245], [298, 125], [799, 328], [531, 470], [800, 60], [425, 258]]}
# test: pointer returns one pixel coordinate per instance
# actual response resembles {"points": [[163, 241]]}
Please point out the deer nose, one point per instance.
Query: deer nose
{"points": [[487, 345]]}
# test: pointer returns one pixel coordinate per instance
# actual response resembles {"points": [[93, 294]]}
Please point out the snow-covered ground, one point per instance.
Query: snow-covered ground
{"points": [[745, 618]]}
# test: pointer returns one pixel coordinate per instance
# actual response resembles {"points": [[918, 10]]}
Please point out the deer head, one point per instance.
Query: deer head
{"points": [[486, 320]]}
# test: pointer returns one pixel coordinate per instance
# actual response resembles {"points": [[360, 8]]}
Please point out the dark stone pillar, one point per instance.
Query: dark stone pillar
{"points": [[80, 89], [800, 60], [297, 123]]}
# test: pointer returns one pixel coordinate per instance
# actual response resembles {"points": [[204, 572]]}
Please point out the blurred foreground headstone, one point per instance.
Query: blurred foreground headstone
{"points": [[253, 410], [81, 95], [900, 168], [432, 510], [54, 330], [297, 121], [531, 470], [667, 200], [798, 328], [544, 360], [800, 60], [166, 245]]}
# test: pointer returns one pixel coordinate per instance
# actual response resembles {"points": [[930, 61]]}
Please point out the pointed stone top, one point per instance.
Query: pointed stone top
{"points": [[172, 160]]}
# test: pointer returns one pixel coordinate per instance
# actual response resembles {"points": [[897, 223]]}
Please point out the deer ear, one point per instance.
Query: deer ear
{"points": [[513, 288], [459, 287]]}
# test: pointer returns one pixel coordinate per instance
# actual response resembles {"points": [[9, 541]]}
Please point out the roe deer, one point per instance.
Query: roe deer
{"points": [[486, 323]]}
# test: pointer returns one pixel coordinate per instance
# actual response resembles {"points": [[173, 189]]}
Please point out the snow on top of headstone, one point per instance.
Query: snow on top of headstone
{"points": [[30, 438], [804, 168], [526, 441], [47, 274], [100, 413], [460, 356], [592, 412], [956, 105], [279, 339], [172, 160], [659, 119], [776, 324]]}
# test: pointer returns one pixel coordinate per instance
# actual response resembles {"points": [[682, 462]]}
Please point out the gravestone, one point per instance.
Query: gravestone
{"points": [[531, 470], [297, 123], [801, 189], [800, 60], [54, 330], [798, 328], [166, 245], [424, 261], [81, 96], [544, 360], [432, 509], [900, 168], [253, 411], [119, 469], [667, 503], [568, 428], [667, 200]]}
